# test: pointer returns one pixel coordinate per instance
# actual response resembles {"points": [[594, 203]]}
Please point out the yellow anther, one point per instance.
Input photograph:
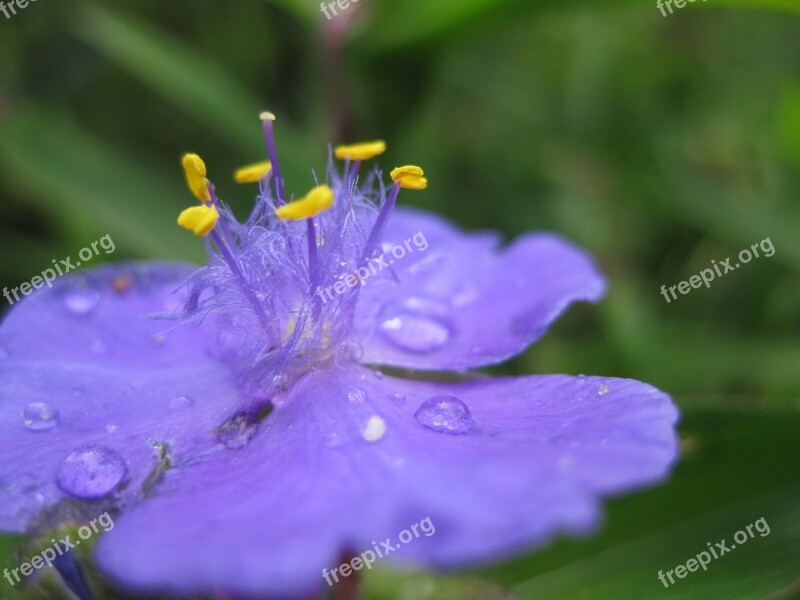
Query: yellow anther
{"points": [[199, 219], [195, 170], [363, 151], [266, 116], [410, 177], [316, 201], [253, 173]]}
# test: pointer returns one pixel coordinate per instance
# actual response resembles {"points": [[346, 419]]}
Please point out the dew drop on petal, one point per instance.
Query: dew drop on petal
{"points": [[180, 402], [378, 374], [446, 414], [375, 429], [3, 352], [416, 333], [81, 301], [602, 390], [280, 381], [357, 396], [91, 471], [39, 416], [112, 428], [397, 398], [237, 431]]}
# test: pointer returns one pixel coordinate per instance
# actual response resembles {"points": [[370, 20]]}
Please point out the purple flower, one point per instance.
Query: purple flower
{"points": [[251, 442]]}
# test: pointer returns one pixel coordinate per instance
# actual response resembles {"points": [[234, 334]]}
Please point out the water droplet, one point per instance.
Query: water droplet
{"points": [[180, 403], [375, 429], [397, 398], [279, 399], [280, 381], [3, 352], [158, 339], [320, 239], [416, 333], [112, 428], [237, 431], [378, 374], [446, 414], [81, 301], [357, 397], [603, 390], [39, 416], [91, 471], [581, 378], [565, 463], [464, 296]]}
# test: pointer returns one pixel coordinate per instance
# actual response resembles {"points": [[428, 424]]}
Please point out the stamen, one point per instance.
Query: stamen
{"points": [[253, 173], [363, 151], [199, 219], [267, 119], [380, 221], [195, 170], [410, 177], [316, 201]]}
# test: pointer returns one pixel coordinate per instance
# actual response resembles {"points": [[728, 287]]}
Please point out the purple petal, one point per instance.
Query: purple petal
{"points": [[91, 390], [462, 302], [352, 458]]}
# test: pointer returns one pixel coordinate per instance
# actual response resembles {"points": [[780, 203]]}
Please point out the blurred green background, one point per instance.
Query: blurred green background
{"points": [[657, 143]]}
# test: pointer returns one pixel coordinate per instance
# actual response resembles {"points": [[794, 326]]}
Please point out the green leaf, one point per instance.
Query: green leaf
{"points": [[403, 23], [737, 467], [194, 82], [79, 177]]}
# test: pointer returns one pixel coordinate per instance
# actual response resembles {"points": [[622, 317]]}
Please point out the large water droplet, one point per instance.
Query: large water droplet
{"points": [[237, 431], [603, 390], [417, 324], [375, 429], [91, 471], [39, 416], [180, 402], [416, 333], [81, 301], [447, 414]]}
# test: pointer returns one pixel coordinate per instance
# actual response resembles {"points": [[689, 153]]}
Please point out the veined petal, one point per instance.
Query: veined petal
{"points": [[83, 366], [455, 300], [533, 461]]}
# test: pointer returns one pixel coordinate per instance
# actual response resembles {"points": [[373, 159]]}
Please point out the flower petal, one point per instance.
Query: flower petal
{"points": [[322, 478], [457, 301], [84, 371]]}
